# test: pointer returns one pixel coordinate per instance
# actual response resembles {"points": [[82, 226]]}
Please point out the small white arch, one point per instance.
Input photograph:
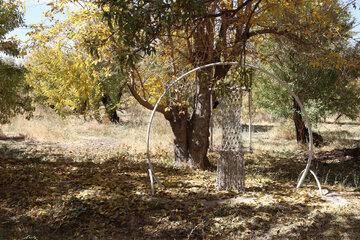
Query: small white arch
{"points": [[307, 121]]}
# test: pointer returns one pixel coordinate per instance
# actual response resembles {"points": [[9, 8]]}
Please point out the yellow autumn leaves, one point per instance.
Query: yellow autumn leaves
{"points": [[62, 69]]}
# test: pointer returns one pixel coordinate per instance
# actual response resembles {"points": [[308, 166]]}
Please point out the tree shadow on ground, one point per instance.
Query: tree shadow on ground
{"points": [[343, 123], [55, 198], [332, 226], [67, 199], [257, 128]]}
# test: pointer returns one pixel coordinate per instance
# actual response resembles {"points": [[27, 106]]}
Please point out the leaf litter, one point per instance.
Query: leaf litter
{"points": [[91, 191]]}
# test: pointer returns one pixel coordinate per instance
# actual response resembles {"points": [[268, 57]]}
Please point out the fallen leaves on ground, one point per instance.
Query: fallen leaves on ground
{"points": [[49, 193]]}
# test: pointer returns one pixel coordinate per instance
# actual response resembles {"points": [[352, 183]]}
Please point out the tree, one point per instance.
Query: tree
{"points": [[66, 72], [63, 80], [186, 34], [208, 31], [325, 85], [12, 96]]}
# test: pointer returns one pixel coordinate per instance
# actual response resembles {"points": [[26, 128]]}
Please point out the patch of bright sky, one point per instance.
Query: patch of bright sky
{"points": [[356, 15], [34, 13]]}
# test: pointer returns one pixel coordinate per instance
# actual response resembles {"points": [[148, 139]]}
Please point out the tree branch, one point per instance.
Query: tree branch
{"points": [[233, 11], [145, 103], [272, 30]]}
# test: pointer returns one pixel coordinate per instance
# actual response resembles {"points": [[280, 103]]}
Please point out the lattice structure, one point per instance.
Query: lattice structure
{"points": [[230, 121], [226, 122], [230, 167]]}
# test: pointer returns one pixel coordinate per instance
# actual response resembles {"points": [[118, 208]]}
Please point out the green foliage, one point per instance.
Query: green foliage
{"points": [[112, 92], [139, 24], [10, 18], [324, 76], [13, 99], [323, 91]]}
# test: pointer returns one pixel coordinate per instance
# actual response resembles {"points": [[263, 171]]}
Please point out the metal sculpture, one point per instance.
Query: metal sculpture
{"points": [[307, 121]]}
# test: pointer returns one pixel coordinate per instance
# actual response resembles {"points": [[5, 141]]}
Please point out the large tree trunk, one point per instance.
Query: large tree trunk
{"points": [[191, 136], [200, 123], [179, 126], [190, 145]]}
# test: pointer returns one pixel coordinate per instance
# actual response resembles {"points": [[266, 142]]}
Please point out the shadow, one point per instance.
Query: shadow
{"points": [[341, 155], [343, 123], [67, 199], [257, 128], [17, 139], [332, 226], [339, 167]]}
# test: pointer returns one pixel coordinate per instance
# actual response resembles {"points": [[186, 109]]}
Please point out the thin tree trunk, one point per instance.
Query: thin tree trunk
{"points": [[302, 135]]}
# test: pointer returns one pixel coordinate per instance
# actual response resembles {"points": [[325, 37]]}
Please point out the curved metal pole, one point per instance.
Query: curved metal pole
{"points": [[307, 121], [316, 179]]}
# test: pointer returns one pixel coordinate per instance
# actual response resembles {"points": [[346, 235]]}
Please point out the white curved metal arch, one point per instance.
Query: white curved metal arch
{"points": [[307, 121]]}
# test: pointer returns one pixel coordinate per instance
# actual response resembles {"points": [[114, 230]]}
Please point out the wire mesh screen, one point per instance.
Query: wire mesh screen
{"points": [[226, 121], [231, 165]]}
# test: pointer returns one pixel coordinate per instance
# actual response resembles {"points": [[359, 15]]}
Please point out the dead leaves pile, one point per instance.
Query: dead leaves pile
{"points": [[58, 198]]}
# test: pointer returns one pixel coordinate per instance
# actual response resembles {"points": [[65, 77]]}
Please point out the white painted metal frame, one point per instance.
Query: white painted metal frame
{"points": [[307, 121]]}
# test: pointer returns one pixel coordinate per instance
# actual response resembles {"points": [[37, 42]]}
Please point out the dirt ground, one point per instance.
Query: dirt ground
{"points": [[92, 189], [75, 179]]}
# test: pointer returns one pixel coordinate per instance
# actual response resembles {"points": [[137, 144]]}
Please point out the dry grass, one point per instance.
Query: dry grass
{"points": [[285, 130], [338, 135], [130, 134]]}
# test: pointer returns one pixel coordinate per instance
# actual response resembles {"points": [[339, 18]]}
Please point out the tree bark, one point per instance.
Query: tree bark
{"points": [[191, 136], [302, 132], [200, 123], [179, 126]]}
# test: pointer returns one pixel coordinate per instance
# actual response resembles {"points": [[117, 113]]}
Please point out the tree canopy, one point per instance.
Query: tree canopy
{"points": [[153, 42], [324, 76], [12, 98], [199, 32], [66, 69]]}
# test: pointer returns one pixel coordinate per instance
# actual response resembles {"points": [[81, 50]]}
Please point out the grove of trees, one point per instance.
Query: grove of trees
{"points": [[326, 87], [201, 32], [104, 45]]}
